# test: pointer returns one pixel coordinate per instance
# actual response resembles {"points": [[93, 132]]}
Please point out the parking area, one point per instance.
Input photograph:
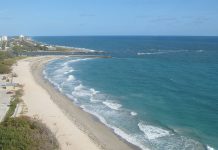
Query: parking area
{"points": [[4, 103], [5, 95]]}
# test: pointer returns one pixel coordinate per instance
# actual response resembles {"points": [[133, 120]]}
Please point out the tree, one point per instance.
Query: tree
{"points": [[17, 49]]}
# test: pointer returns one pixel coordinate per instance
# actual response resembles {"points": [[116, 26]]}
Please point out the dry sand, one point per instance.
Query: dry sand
{"points": [[74, 128]]}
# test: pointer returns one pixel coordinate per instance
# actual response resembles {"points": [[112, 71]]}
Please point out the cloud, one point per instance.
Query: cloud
{"points": [[5, 18], [164, 19], [170, 19], [197, 19], [4, 15], [87, 15], [142, 16], [200, 20], [157, 18]]}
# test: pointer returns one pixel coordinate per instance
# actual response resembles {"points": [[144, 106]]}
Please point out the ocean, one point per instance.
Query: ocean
{"points": [[156, 92]]}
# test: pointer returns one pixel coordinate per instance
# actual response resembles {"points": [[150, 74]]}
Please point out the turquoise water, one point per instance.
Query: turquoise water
{"points": [[156, 92]]}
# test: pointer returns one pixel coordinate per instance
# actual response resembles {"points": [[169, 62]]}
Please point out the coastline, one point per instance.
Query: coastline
{"points": [[91, 133]]}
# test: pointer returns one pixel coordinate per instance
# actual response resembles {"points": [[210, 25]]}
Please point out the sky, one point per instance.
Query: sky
{"points": [[109, 17]]}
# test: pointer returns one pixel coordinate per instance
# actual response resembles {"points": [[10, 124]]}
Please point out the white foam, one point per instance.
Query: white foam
{"points": [[62, 69], [75, 60], [94, 100], [66, 72], [152, 132], [130, 138], [94, 91], [83, 106], [79, 87], [71, 61], [95, 114], [134, 113], [92, 50], [200, 51], [56, 85], [70, 78], [71, 97], [44, 72], [151, 53], [112, 105], [133, 139], [161, 52], [210, 148], [81, 91]]}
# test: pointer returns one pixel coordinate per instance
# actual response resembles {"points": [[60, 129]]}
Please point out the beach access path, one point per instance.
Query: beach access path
{"points": [[4, 103]]}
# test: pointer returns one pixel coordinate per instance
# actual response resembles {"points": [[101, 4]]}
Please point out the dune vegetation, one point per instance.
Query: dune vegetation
{"points": [[24, 133], [7, 59]]}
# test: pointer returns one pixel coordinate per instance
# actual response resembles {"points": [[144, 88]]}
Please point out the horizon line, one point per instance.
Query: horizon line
{"points": [[112, 35]]}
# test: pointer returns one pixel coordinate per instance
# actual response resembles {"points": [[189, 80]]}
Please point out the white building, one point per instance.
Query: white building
{"points": [[21, 37], [4, 38], [3, 42], [51, 48], [0, 43]]}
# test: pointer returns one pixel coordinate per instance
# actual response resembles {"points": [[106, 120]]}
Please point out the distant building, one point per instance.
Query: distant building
{"points": [[21, 37], [51, 48], [4, 38], [0, 43], [3, 42]]}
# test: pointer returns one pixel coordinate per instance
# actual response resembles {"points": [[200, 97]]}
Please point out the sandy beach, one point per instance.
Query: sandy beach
{"points": [[74, 128]]}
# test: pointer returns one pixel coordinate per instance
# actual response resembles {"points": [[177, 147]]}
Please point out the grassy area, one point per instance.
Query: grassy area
{"points": [[5, 65], [7, 59], [24, 133], [13, 105], [5, 55]]}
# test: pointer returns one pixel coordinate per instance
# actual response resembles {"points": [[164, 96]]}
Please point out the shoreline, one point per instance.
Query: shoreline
{"points": [[99, 134]]}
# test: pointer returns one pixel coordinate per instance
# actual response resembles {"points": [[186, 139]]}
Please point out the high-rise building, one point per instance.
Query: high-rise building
{"points": [[4, 38], [3, 42], [0, 43], [21, 37]]}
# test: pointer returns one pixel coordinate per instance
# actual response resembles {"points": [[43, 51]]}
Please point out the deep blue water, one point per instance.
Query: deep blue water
{"points": [[156, 92]]}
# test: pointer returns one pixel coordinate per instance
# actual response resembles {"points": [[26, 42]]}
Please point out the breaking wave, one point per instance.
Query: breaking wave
{"points": [[134, 113], [210, 148], [153, 52], [152, 132], [112, 105], [70, 78], [109, 111]]}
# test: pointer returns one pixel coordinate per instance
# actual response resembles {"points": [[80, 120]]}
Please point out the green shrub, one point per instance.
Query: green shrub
{"points": [[5, 55], [19, 93], [4, 69], [9, 61], [24, 133], [12, 107], [6, 61]]}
